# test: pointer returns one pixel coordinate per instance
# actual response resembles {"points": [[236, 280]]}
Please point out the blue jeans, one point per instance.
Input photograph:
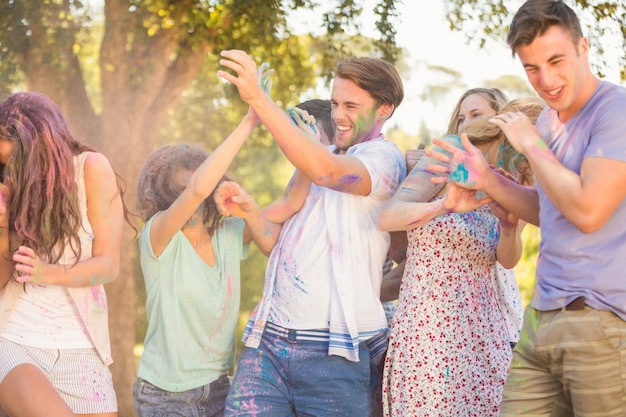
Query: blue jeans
{"points": [[289, 377], [204, 401]]}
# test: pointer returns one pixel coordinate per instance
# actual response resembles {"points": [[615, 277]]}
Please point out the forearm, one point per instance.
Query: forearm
{"points": [[262, 231], [520, 200], [510, 246], [206, 177], [87, 273], [586, 199], [291, 202], [306, 154], [279, 211], [401, 215]]}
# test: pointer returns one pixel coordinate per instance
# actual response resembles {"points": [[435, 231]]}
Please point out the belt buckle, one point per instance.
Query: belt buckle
{"points": [[292, 335]]}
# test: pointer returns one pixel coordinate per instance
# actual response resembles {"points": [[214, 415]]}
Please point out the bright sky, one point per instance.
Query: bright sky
{"points": [[424, 32]]}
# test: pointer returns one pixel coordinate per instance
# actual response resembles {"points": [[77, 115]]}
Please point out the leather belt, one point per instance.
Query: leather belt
{"points": [[576, 304]]}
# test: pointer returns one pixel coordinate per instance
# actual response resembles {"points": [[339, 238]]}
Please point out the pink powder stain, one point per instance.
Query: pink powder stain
{"points": [[249, 406], [229, 285], [99, 300]]}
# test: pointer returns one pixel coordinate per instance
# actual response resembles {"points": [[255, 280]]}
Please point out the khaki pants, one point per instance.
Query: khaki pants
{"points": [[568, 363]]}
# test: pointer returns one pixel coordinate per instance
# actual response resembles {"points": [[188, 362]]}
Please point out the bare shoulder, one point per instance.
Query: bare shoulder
{"points": [[99, 175], [97, 165]]}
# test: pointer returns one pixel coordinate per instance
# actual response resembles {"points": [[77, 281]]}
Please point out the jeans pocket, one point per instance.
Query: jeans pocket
{"points": [[613, 328]]}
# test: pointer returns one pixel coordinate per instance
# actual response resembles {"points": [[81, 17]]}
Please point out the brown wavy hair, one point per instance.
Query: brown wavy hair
{"points": [[376, 76], [157, 189], [43, 210]]}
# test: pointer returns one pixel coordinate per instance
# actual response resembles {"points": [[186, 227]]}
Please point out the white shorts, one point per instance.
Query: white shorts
{"points": [[78, 375]]}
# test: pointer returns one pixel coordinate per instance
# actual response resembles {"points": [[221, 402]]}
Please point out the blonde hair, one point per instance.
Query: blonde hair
{"points": [[494, 96], [481, 132]]}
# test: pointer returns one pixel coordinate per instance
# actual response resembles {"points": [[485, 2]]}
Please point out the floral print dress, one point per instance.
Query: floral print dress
{"points": [[449, 350]]}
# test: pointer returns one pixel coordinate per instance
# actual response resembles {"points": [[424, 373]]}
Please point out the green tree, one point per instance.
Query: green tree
{"points": [[525, 269], [146, 55], [484, 21]]}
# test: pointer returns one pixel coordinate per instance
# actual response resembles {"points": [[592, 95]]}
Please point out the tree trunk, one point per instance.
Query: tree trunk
{"points": [[126, 147], [121, 296]]}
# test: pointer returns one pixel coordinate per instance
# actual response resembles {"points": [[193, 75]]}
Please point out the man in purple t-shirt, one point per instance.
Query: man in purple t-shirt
{"points": [[571, 358]]}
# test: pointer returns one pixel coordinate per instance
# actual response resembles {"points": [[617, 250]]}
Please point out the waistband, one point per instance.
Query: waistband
{"points": [[312, 335]]}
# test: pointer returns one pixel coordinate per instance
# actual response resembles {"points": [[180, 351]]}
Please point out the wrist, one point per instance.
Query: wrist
{"points": [[508, 231], [253, 211], [251, 121], [441, 209], [491, 181]]}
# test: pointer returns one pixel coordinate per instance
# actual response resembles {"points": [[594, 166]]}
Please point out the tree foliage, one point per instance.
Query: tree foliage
{"points": [[484, 21], [133, 74], [121, 70]]}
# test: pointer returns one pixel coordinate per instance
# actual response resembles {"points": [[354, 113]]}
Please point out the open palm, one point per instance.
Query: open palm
{"points": [[460, 200]]}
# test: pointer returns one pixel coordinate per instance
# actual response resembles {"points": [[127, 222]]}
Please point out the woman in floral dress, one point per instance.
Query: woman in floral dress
{"points": [[449, 350]]}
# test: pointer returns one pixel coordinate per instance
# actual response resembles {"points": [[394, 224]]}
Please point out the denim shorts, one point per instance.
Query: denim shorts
{"points": [[205, 401], [285, 377]]}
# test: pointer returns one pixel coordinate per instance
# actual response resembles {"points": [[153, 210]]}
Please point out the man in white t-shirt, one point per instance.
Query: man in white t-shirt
{"points": [[306, 350]]}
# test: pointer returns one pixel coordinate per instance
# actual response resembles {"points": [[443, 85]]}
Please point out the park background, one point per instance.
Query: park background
{"points": [[132, 75]]}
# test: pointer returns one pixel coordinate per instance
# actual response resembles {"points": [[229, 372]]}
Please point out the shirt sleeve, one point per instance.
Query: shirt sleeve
{"points": [[386, 166], [609, 130]]}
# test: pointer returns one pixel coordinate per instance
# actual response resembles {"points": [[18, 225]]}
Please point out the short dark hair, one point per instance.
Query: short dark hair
{"points": [[535, 17], [321, 110]]}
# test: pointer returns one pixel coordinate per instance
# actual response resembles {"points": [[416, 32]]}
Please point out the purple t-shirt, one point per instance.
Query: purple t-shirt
{"points": [[572, 263]]}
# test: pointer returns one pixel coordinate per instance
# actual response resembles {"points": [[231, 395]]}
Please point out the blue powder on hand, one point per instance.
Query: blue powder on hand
{"points": [[460, 174]]}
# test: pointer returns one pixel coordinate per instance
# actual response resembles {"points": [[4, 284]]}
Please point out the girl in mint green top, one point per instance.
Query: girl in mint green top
{"points": [[190, 259]]}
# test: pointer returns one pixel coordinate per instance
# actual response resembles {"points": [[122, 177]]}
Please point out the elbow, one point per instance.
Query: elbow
{"points": [[385, 217], [267, 246], [327, 176], [513, 257], [112, 271], [266, 249], [589, 228], [510, 257], [383, 221], [588, 224], [509, 263], [267, 242], [323, 179]]}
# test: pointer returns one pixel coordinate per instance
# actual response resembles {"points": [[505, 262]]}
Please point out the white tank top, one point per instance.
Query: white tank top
{"points": [[45, 316]]}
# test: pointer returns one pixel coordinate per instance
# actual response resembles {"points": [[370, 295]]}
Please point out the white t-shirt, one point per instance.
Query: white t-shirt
{"points": [[325, 271]]}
